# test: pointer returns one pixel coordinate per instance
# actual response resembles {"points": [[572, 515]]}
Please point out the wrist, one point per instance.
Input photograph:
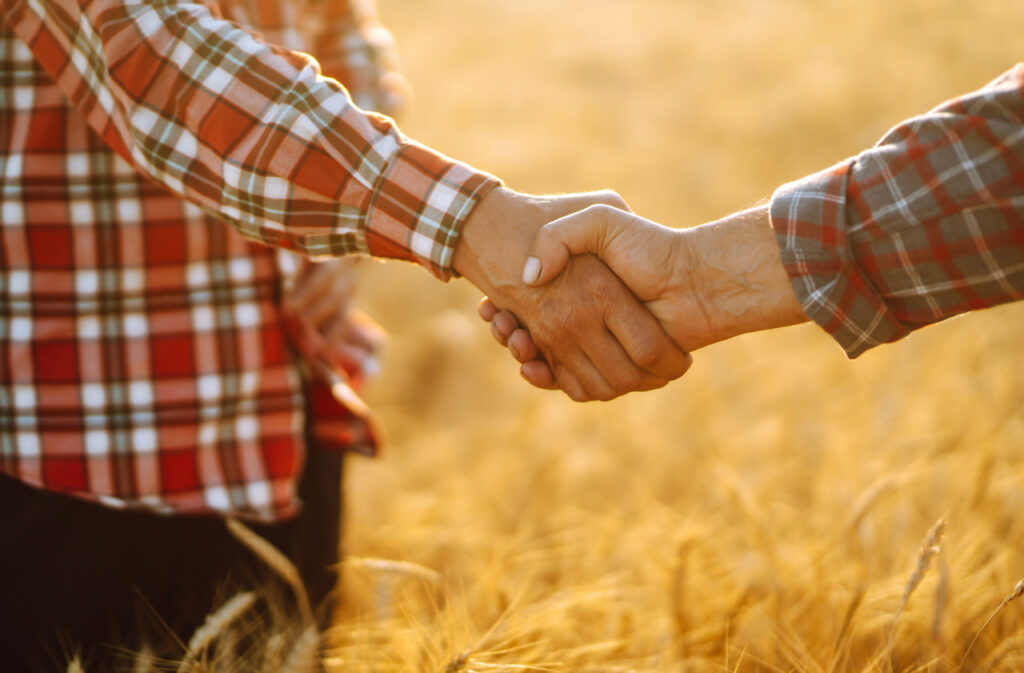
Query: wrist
{"points": [[739, 278], [494, 242]]}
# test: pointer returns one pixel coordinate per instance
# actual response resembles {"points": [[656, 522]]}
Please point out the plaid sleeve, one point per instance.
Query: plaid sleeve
{"points": [[353, 47], [927, 224], [250, 132]]}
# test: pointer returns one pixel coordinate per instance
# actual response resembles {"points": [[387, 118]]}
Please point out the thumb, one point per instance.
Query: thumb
{"points": [[588, 230]]}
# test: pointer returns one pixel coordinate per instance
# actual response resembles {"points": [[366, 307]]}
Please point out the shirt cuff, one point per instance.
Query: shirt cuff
{"points": [[419, 206], [809, 217]]}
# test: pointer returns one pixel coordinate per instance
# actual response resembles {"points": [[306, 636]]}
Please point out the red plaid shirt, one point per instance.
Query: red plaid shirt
{"points": [[926, 224], [143, 355]]}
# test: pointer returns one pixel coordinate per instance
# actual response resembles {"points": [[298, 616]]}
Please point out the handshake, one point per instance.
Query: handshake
{"points": [[598, 302]]}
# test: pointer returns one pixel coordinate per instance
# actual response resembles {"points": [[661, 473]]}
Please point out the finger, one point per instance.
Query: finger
{"points": [[589, 230], [487, 309], [538, 374], [521, 346], [498, 335], [574, 332], [612, 198], [620, 374], [606, 197], [350, 354], [568, 383], [343, 332], [327, 309], [314, 282], [505, 323], [645, 341], [370, 329], [577, 366]]}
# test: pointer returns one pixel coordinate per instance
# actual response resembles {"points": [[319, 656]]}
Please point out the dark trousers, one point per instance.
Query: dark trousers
{"points": [[80, 577]]}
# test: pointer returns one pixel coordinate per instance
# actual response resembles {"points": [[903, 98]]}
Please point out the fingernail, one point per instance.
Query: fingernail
{"points": [[531, 270], [514, 351]]}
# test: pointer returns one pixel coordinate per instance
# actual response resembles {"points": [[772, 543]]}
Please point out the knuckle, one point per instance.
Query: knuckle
{"points": [[576, 395], [678, 365], [647, 354], [624, 380], [612, 199], [679, 370], [599, 211], [656, 383]]}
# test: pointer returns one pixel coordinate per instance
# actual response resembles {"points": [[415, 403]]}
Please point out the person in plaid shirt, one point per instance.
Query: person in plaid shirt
{"points": [[148, 384], [925, 225]]}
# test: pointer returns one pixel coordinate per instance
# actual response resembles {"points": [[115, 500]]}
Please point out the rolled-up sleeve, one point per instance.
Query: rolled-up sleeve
{"points": [[248, 131], [927, 224]]}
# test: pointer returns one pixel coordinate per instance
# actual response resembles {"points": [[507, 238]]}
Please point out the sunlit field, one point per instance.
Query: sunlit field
{"points": [[765, 512]]}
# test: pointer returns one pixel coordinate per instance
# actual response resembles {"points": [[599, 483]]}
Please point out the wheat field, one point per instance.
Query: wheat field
{"points": [[767, 512]]}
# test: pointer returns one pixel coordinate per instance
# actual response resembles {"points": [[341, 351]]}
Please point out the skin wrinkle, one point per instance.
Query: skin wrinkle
{"points": [[691, 272], [665, 262], [739, 293], [743, 279]]}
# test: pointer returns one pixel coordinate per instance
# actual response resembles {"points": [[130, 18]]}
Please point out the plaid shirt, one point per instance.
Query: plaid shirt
{"points": [[926, 224], [144, 360]]}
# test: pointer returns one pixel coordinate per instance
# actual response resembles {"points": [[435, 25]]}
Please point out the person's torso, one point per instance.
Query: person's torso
{"points": [[142, 355]]}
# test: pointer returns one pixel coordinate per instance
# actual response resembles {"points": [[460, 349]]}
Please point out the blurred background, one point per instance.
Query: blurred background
{"points": [[765, 511]]}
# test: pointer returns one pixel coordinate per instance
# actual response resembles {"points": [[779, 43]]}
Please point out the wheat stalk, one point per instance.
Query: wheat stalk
{"points": [[1005, 649], [144, 661], [929, 548], [215, 623], [458, 662], [278, 562], [869, 499], [676, 602], [75, 665], [303, 653], [387, 566], [941, 597], [384, 571], [273, 653], [851, 610], [1017, 592]]}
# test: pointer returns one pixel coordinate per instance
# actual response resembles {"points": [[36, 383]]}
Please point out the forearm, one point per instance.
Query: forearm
{"points": [[248, 131]]}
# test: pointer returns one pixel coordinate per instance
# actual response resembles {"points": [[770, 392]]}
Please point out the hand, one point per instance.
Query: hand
{"points": [[325, 324], [598, 341], [703, 285]]}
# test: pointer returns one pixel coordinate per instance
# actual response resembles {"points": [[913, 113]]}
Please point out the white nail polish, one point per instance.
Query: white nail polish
{"points": [[531, 270]]}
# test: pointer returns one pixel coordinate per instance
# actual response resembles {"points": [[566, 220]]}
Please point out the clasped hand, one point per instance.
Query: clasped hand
{"points": [[597, 339], [701, 285]]}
